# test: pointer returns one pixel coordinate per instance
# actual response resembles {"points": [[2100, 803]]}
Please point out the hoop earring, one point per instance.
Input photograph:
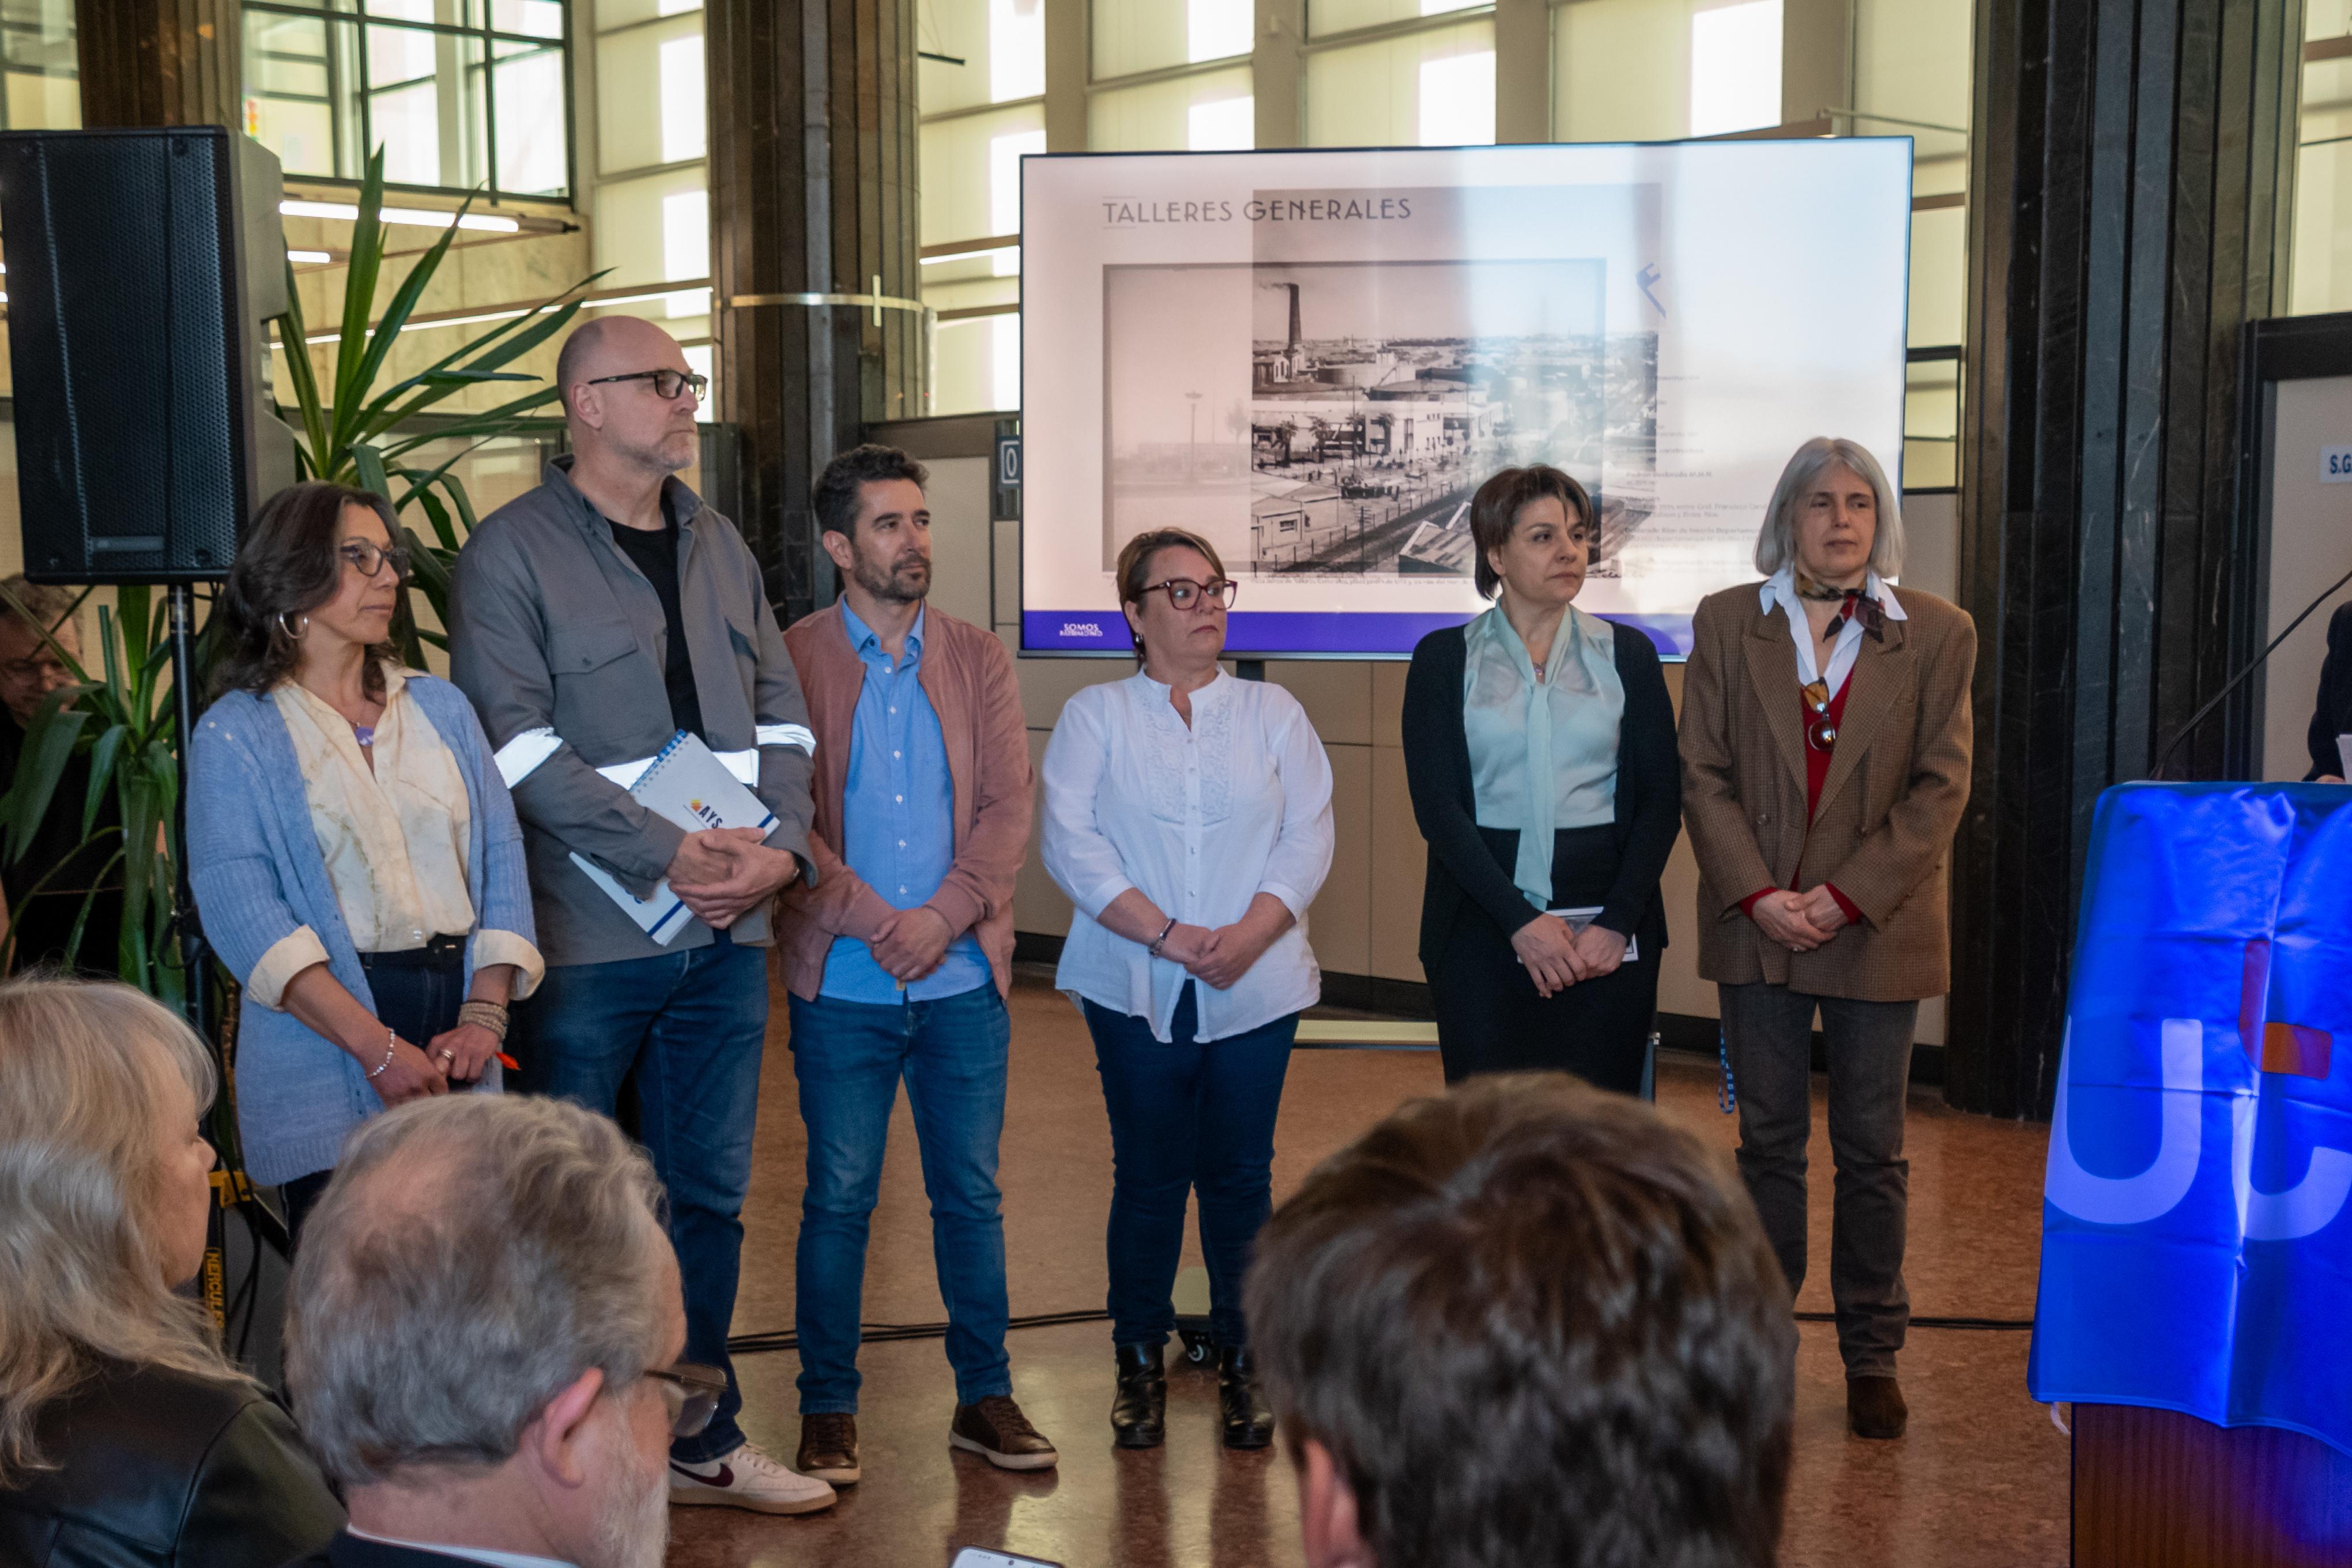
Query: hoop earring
{"points": [[291, 635]]}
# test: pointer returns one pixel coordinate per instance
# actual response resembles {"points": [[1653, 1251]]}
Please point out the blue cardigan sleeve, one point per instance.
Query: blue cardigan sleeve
{"points": [[240, 895]]}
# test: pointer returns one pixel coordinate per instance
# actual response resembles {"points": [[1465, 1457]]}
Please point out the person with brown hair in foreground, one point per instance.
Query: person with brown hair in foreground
{"points": [[1527, 1322]]}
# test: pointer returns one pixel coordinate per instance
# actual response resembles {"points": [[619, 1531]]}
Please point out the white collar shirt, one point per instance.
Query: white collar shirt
{"points": [[470, 1554], [1780, 588], [1202, 817]]}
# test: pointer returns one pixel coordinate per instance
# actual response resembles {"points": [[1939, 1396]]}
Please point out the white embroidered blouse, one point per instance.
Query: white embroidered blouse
{"points": [[1202, 818]]}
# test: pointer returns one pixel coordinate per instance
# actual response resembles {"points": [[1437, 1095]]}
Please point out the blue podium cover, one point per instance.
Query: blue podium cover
{"points": [[2196, 1250]]}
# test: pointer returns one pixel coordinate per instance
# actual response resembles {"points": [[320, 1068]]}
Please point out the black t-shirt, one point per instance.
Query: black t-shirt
{"points": [[45, 921], [655, 554]]}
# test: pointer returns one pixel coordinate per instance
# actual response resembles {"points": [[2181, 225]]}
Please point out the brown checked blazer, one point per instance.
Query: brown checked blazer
{"points": [[1892, 801]]}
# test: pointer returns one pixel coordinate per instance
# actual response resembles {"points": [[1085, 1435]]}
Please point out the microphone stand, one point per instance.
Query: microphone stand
{"points": [[2239, 678]]}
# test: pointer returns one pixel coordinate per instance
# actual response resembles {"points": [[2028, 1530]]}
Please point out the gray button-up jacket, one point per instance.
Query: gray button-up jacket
{"points": [[561, 643]]}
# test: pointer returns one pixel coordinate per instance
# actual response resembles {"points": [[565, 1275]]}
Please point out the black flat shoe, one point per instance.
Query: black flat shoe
{"points": [[1139, 1408], [1248, 1420]]}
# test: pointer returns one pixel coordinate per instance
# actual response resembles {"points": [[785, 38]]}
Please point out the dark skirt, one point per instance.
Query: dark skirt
{"points": [[1490, 1017]]}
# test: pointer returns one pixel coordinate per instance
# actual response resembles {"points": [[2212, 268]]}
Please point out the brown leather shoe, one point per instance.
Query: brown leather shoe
{"points": [[1874, 1407], [829, 1448], [997, 1431]]}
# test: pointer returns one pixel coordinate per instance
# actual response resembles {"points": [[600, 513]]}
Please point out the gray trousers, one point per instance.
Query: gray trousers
{"points": [[1768, 1032]]}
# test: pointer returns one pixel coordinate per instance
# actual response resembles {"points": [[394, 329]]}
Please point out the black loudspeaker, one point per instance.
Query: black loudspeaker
{"points": [[142, 266]]}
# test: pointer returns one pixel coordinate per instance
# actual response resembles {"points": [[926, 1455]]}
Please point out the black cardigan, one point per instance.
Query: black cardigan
{"points": [[2333, 714], [1462, 869]]}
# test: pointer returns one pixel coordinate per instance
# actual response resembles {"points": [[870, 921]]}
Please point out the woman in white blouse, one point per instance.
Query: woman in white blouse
{"points": [[1187, 815], [354, 853]]}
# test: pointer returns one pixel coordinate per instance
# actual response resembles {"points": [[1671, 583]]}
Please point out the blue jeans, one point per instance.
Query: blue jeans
{"points": [[685, 1030], [849, 1057], [1186, 1116]]}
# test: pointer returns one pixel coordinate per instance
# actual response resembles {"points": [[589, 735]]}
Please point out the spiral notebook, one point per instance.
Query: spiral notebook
{"points": [[687, 784]]}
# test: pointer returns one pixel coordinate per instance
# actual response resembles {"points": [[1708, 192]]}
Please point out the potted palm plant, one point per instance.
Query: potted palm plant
{"points": [[348, 429]]}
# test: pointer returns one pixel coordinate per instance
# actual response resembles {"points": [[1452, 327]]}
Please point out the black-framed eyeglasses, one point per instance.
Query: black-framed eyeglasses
{"points": [[1183, 593], [693, 1392], [370, 557], [667, 383]]}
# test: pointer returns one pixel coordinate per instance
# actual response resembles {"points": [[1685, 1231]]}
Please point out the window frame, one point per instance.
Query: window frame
{"points": [[353, 14]]}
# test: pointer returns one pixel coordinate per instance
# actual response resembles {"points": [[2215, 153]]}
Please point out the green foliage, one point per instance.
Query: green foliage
{"points": [[123, 718], [350, 432]]}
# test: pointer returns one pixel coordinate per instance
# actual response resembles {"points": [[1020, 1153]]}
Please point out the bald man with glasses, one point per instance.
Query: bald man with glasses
{"points": [[593, 618]]}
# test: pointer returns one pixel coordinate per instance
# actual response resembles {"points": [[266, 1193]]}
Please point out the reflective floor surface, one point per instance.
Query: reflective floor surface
{"points": [[1980, 1480]]}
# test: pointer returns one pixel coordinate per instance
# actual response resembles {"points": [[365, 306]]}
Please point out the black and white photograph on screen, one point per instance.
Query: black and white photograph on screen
{"points": [[1379, 395], [1313, 359]]}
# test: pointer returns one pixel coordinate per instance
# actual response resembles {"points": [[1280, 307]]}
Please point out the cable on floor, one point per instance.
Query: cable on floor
{"points": [[887, 1333], [2005, 1325]]}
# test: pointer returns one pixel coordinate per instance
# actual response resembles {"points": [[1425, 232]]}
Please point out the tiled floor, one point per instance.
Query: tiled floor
{"points": [[1981, 1480]]}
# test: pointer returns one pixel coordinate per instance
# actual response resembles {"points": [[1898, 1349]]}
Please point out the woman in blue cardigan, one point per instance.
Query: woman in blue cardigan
{"points": [[356, 859]]}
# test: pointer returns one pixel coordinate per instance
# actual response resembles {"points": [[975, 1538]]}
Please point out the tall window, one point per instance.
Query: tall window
{"points": [[651, 200], [458, 93], [38, 66], [1911, 77], [981, 85], [2321, 277], [1655, 70], [1432, 86]]}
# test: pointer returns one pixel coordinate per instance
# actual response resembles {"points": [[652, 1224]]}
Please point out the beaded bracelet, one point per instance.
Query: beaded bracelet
{"points": [[488, 1015], [391, 1043]]}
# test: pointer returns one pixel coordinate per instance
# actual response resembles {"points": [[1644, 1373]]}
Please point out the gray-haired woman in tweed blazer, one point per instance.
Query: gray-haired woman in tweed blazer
{"points": [[1825, 736]]}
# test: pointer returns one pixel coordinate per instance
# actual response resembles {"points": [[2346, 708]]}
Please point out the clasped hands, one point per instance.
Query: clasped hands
{"points": [[1218, 956], [452, 1059], [719, 873], [1557, 955], [1798, 922]]}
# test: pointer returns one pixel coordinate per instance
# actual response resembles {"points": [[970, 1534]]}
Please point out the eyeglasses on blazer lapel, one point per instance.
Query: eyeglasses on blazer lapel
{"points": [[1871, 690]]}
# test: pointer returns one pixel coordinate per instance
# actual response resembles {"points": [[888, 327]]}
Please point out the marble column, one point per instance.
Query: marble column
{"points": [[2130, 174], [812, 192], [159, 62]]}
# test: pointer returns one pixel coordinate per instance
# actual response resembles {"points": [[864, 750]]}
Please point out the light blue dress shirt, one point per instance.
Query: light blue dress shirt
{"points": [[897, 821], [1543, 754]]}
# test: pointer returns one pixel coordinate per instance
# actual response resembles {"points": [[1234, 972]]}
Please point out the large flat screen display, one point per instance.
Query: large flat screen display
{"points": [[1312, 358]]}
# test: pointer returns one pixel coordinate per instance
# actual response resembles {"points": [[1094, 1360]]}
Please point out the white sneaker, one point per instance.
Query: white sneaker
{"points": [[747, 1479]]}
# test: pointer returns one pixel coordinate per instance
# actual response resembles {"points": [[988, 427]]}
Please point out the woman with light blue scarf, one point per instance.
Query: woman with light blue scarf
{"points": [[1540, 748]]}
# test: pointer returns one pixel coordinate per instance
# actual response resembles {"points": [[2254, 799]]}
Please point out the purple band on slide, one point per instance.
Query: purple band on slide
{"points": [[1289, 633]]}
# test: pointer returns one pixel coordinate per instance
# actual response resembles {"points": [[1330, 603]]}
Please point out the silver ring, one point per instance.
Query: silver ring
{"points": [[448, 1055]]}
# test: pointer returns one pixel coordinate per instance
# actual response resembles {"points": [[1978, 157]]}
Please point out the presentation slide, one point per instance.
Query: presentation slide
{"points": [[1312, 359]]}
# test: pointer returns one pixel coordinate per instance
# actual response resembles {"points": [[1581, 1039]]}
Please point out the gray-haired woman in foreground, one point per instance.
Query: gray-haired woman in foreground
{"points": [[1825, 741]]}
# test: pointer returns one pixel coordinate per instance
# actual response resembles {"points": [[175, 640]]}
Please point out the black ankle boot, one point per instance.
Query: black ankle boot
{"points": [[1249, 1423], [1139, 1408]]}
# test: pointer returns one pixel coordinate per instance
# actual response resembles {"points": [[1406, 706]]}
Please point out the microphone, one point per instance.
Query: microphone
{"points": [[2239, 678]]}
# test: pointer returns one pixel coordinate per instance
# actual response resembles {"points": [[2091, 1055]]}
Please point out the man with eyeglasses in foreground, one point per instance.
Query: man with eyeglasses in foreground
{"points": [[593, 618], [483, 1336]]}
